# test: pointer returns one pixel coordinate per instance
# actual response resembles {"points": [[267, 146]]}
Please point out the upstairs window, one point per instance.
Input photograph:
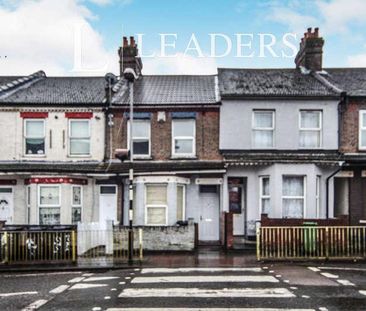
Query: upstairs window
{"points": [[79, 136], [362, 130], [310, 129], [184, 138], [141, 138], [34, 137], [263, 129]]}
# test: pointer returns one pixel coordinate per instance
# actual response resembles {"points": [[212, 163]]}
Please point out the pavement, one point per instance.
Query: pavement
{"points": [[160, 287]]}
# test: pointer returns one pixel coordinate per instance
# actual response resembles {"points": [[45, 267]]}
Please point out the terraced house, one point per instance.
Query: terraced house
{"points": [[276, 146]]}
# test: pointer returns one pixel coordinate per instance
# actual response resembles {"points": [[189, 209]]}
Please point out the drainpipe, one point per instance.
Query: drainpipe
{"points": [[327, 186]]}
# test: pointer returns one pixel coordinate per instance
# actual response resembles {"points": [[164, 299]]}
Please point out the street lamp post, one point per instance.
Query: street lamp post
{"points": [[130, 210], [122, 154]]}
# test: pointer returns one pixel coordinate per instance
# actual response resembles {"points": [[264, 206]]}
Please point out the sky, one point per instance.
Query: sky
{"points": [[81, 37]]}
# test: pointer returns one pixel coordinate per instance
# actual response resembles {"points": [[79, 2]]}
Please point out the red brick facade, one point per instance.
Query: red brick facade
{"points": [[350, 125], [207, 135]]}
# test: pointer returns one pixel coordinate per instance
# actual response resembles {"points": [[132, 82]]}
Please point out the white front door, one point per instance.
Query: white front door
{"points": [[6, 204], [107, 204], [209, 217]]}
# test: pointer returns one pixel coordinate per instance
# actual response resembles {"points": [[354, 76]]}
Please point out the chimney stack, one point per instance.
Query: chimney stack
{"points": [[128, 56], [310, 55]]}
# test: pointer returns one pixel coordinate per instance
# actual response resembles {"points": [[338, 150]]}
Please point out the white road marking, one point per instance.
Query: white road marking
{"points": [[305, 296], [329, 275], [36, 274], [278, 276], [35, 305], [86, 286], [96, 309], [122, 283], [206, 279], [342, 268], [136, 269], [345, 283], [76, 280], [107, 297], [127, 277], [207, 293], [100, 278], [18, 294], [293, 287], [88, 274], [113, 289], [186, 270], [60, 289], [323, 309], [205, 309], [362, 292], [286, 281], [314, 269]]}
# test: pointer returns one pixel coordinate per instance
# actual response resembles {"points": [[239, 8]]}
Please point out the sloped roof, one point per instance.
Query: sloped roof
{"points": [[7, 79], [59, 90], [170, 90], [351, 80], [270, 83]]}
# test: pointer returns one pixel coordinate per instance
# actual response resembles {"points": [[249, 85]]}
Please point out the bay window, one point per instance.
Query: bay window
{"points": [[265, 197], [34, 137], [181, 191], [293, 196], [49, 203], [362, 130], [310, 129], [184, 138], [76, 204], [156, 208], [141, 138], [79, 137], [263, 125]]}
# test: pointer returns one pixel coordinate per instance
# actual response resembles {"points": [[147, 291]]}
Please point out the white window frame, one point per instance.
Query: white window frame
{"points": [[137, 156], [362, 114], [193, 138], [156, 206], [261, 196], [312, 129], [70, 138], [284, 197], [25, 121], [273, 128], [28, 202], [317, 195], [48, 205], [184, 201], [81, 200]]}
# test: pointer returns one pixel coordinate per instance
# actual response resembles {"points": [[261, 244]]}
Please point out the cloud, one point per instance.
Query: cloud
{"points": [[106, 2], [333, 17], [180, 64], [41, 35]]}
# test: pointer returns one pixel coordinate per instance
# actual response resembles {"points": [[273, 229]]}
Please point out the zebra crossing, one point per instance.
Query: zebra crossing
{"points": [[193, 289]]}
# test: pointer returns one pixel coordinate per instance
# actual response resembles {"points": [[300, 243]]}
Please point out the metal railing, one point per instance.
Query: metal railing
{"points": [[299, 243], [38, 246], [68, 246]]}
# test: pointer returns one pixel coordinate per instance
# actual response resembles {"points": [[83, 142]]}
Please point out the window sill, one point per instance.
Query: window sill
{"points": [[35, 156], [141, 158], [79, 156], [180, 157]]}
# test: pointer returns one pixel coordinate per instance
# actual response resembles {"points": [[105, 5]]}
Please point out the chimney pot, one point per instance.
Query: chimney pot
{"points": [[132, 41], [125, 42], [309, 30]]}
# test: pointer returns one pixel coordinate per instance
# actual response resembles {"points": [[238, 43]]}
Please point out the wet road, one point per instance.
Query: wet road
{"points": [[256, 287]]}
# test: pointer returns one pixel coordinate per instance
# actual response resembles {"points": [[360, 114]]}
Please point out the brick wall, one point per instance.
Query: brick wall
{"points": [[207, 135], [349, 126]]}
